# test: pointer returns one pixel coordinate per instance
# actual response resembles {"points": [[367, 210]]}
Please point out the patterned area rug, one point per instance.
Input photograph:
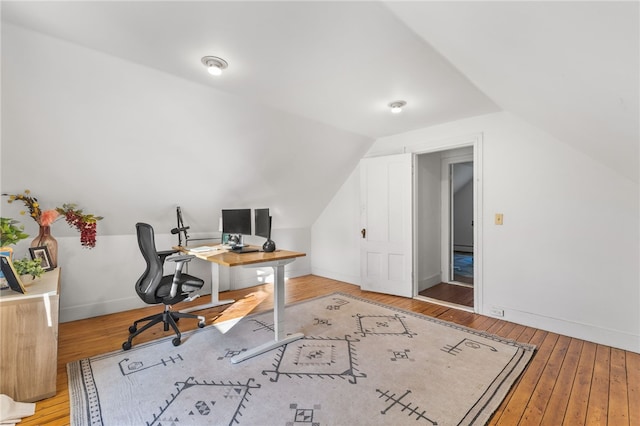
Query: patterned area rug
{"points": [[359, 363]]}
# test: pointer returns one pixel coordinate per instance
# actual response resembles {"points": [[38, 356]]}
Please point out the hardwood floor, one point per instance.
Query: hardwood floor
{"points": [[463, 279], [451, 293], [569, 381]]}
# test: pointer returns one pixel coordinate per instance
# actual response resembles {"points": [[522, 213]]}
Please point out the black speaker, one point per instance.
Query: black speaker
{"points": [[269, 245]]}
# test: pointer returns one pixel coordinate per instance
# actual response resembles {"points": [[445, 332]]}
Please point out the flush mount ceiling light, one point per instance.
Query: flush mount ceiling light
{"points": [[214, 64], [396, 106]]}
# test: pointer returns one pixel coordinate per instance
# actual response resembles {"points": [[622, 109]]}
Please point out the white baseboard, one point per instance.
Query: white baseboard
{"points": [[429, 282], [604, 336], [106, 307], [336, 276], [463, 249]]}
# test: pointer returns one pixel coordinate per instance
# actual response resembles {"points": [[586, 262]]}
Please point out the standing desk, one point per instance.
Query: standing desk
{"points": [[277, 260]]}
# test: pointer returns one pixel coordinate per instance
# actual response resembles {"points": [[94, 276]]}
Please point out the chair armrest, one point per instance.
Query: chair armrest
{"points": [[183, 258], [165, 253], [180, 262]]}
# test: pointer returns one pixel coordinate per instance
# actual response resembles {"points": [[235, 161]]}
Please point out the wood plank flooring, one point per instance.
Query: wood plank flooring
{"points": [[568, 382], [452, 293]]}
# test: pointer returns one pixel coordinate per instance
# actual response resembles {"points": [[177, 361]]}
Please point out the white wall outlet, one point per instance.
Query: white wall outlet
{"points": [[496, 312]]}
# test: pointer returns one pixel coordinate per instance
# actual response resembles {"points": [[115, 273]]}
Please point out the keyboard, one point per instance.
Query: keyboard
{"points": [[201, 249], [245, 250]]}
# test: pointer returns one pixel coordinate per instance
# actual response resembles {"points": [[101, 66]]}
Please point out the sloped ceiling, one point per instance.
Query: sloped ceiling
{"points": [[340, 63], [570, 68]]}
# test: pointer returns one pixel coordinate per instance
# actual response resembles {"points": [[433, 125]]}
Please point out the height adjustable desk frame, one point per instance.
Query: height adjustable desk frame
{"points": [[276, 260]]}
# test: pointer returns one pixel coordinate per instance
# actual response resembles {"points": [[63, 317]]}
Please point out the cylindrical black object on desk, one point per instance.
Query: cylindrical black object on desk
{"points": [[269, 246]]}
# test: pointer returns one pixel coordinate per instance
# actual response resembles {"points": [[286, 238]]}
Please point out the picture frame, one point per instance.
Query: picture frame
{"points": [[7, 252], [42, 253], [11, 275]]}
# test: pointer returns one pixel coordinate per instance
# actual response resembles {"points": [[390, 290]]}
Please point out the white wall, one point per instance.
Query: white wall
{"points": [[336, 235], [100, 281], [130, 143], [566, 258], [126, 141]]}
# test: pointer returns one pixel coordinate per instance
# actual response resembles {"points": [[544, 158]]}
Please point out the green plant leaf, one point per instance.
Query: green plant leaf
{"points": [[10, 232]]}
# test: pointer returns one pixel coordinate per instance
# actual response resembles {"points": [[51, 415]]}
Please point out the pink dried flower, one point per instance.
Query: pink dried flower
{"points": [[48, 217], [85, 223]]}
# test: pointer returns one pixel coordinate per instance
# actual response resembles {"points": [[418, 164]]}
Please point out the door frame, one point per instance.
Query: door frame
{"points": [[474, 141], [447, 222]]}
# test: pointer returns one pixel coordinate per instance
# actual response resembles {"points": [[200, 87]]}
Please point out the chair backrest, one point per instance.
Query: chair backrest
{"points": [[147, 284]]}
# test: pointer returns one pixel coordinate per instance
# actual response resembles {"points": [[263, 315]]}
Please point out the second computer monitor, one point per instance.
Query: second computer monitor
{"points": [[236, 221], [263, 223]]}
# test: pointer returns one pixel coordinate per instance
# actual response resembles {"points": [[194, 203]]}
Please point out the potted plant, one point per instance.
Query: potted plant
{"points": [[10, 232], [28, 267]]}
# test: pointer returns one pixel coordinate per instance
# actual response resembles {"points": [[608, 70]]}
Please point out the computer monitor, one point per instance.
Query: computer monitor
{"points": [[236, 221], [262, 223]]}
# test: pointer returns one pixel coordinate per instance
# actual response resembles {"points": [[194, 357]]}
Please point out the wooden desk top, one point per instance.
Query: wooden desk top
{"points": [[229, 258]]}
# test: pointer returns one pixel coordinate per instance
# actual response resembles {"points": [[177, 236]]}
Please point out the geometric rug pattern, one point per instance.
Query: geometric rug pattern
{"points": [[360, 363]]}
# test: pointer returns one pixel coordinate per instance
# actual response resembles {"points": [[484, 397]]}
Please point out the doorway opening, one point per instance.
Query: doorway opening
{"points": [[461, 222], [445, 236]]}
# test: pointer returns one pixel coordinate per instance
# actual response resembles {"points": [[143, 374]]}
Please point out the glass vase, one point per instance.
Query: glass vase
{"points": [[45, 239]]}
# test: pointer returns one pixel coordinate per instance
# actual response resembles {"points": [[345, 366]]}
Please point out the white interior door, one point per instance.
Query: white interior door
{"points": [[386, 219]]}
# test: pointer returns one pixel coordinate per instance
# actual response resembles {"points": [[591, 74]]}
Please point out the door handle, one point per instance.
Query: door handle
{"points": [[364, 233]]}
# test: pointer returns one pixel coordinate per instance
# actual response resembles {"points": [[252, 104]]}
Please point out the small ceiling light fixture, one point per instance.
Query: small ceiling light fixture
{"points": [[214, 64], [396, 106]]}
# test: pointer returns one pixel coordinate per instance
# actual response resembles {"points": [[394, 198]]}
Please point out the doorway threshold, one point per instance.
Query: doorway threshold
{"points": [[444, 303], [461, 284]]}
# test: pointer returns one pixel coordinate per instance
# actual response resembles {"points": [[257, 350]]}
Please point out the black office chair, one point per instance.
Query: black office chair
{"points": [[154, 288]]}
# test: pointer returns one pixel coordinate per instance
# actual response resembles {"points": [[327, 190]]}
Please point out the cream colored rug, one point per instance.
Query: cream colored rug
{"points": [[360, 363]]}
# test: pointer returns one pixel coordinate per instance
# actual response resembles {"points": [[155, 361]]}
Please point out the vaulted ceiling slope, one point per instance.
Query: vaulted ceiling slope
{"points": [[340, 63], [305, 94], [571, 68]]}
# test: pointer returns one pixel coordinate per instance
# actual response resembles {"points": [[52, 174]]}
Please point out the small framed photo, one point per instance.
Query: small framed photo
{"points": [[41, 253], [7, 252]]}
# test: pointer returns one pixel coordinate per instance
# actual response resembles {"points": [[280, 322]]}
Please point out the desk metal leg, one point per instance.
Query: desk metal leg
{"points": [[215, 289], [278, 320]]}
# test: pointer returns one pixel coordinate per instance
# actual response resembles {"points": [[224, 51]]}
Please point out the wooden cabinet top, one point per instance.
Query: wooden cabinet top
{"points": [[47, 284]]}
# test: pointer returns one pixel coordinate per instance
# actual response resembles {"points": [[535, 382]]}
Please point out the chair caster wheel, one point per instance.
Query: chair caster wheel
{"points": [[201, 324], [126, 345], [176, 341], [133, 329]]}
